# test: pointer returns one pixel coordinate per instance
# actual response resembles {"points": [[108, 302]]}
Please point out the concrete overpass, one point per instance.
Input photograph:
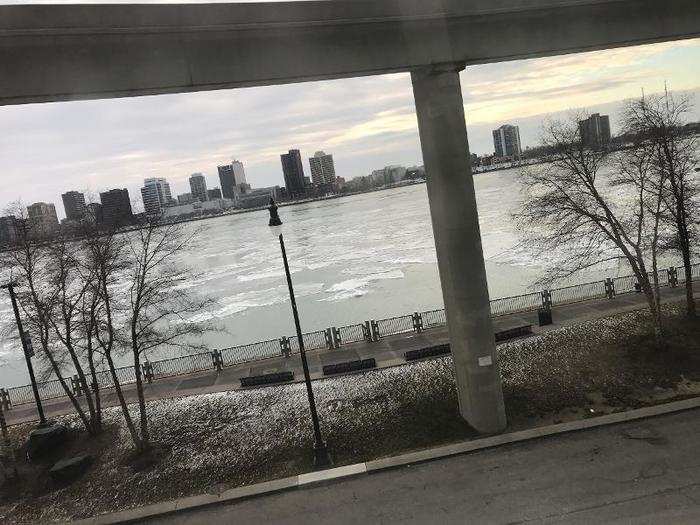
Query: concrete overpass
{"points": [[70, 52]]}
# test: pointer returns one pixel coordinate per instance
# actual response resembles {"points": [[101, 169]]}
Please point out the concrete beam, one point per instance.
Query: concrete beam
{"points": [[67, 52]]}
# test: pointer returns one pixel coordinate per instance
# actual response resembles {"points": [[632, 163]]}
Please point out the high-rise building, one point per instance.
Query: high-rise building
{"points": [[293, 173], [322, 168], [42, 218], [74, 205], [156, 195], [506, 141], [116, 207], [595, 131], [227, 179], [9, 233], [198, 187], [238, 172], [93, 213], [232, 179], [213, 194]]}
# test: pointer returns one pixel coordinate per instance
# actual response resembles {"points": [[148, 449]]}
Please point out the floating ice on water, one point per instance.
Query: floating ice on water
{"points": [[359, 286]]}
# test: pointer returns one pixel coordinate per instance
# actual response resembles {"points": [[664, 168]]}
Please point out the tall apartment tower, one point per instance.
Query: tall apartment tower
{"points": [[198, 187], [42, 219], [156, 195], [116, 207], [9, 233], [74, 205], [227, 180], [322, 168], [595, 131], [293, 173], [238, 172], [506, 141]]}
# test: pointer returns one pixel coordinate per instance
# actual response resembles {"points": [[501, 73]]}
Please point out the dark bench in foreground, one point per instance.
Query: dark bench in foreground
{"points": [[267, 379], [513, 333], [432, 351], [349, 366]]}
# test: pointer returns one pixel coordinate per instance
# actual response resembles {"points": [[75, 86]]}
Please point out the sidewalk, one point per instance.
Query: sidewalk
{"points": [[387, 352]]}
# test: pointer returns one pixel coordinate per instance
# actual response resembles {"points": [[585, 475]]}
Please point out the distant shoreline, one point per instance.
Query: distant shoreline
{"points": [[338, 195]]}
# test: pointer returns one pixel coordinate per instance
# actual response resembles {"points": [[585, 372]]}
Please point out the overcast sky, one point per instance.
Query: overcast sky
{"points": [[366, 123]]}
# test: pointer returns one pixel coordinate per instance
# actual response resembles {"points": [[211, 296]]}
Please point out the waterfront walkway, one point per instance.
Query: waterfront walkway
{"points": [[387, 352]]}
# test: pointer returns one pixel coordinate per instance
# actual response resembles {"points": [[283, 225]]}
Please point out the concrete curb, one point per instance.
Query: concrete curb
{"points": [[348, 471]]}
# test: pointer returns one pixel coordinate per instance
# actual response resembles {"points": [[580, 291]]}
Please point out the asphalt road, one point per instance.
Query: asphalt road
{"points": [[640, 472]]}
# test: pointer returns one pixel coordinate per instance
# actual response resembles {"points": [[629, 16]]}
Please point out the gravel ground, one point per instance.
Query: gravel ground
{"points": [[213, 442]]}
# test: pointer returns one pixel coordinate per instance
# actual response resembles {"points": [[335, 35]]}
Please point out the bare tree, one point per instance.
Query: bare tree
{"points": [[656, 123], [71, 287], [159, 307], [575, 217], [106, 258], [48, 294]]}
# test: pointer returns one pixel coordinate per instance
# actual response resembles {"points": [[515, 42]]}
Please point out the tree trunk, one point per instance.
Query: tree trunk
{"points": [[122, 403], [96, 391], [689, 299], [69, 393], [145, 437], [655, 310]]}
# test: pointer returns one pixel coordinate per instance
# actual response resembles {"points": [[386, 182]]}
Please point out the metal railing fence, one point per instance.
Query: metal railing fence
{"points": [[352, 333], [348, 334], [434, 318], [312, 341], [250, 352], [578, 292], [394, 325], [182, 365], [515, 304]]}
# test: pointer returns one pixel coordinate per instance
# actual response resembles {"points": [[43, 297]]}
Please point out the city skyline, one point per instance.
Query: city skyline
{"points": [[133, 139]]}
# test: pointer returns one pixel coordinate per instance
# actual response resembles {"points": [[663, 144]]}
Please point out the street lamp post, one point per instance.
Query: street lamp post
{"points": [[26, 347], [321, 456]]}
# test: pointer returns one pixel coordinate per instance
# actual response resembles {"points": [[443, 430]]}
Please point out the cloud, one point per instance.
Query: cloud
{"points": [[365, 122]]}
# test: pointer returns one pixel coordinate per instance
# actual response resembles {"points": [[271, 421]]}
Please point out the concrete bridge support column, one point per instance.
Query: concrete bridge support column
{"points": [[443, 136]]}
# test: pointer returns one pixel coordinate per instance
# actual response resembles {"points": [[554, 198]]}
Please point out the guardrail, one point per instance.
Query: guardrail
{"points": [[335, 337]]}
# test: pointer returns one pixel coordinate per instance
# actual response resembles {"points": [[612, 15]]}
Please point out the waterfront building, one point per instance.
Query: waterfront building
{"points": [[42, 218], [198, 187], [293, 171], [322, 168], [156, 195], [116, 207], [214, 193], [258, 197], [93, 213], [238, 172], [74, 205], [184, 198], [595, 131], [9, 232], [195, 208], [387, 175], [232, 179], [506, 141], [227, 179]]}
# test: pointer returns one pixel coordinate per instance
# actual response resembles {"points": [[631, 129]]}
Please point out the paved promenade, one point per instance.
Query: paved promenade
{"points": [[387, 352], [644, 471]]}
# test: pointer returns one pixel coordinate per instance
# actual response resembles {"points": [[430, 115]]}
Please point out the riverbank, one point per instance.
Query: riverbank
{"points": [[214, 442]]}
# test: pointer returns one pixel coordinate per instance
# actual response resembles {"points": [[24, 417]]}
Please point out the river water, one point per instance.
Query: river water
{"points": [[355, 258]]}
